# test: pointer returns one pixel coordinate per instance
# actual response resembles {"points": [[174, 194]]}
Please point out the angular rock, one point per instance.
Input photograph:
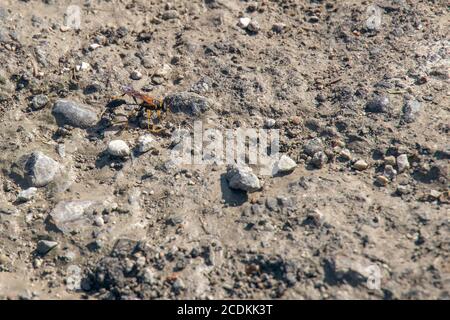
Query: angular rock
{"points": [[402, 163], [40, 169], [187, 102], [242, 178], [284, 165], [27, 194], [44, 246], [319, 159], [74, 114]]}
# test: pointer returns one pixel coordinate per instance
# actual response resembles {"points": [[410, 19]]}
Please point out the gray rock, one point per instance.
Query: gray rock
{"points": [[39, 101], [27, 194], [170, 15], [40, 169], [187, 102], [44, 246], [313, 146], [118, 148], [74, 114], [136, 75], [145, 143], [411, 110], [319, 159], [378, 105], [71, 215], [242, 178], [390, 172], [402, 163]]}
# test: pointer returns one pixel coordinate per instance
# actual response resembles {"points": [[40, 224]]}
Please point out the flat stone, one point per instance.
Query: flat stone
{"points": [[187, 102], [71, 215], [74, 114], [44, 246]]}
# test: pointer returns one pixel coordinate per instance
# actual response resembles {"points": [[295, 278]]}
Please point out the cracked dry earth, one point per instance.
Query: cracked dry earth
{"points": [[362, 108]]}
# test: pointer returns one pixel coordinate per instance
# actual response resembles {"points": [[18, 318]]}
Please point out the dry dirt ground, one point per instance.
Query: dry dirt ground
{"points": [[334, 228]]}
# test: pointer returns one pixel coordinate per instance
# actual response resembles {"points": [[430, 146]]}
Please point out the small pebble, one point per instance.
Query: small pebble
{"points": [[145, 143], [382, 180], [345, 154], [319, 159], [360, 165], [27, 194], [136, 75], [378, 105], [390, 160], [402, 163], [390, 172], [118, 148], [244, 22]]}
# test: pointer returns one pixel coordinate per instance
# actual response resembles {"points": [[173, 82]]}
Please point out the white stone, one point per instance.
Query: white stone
{"points": [[118, 148], [94, 46], [83, 66], [244, 22], [27, 194], [284, 165], [145, 143]]}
